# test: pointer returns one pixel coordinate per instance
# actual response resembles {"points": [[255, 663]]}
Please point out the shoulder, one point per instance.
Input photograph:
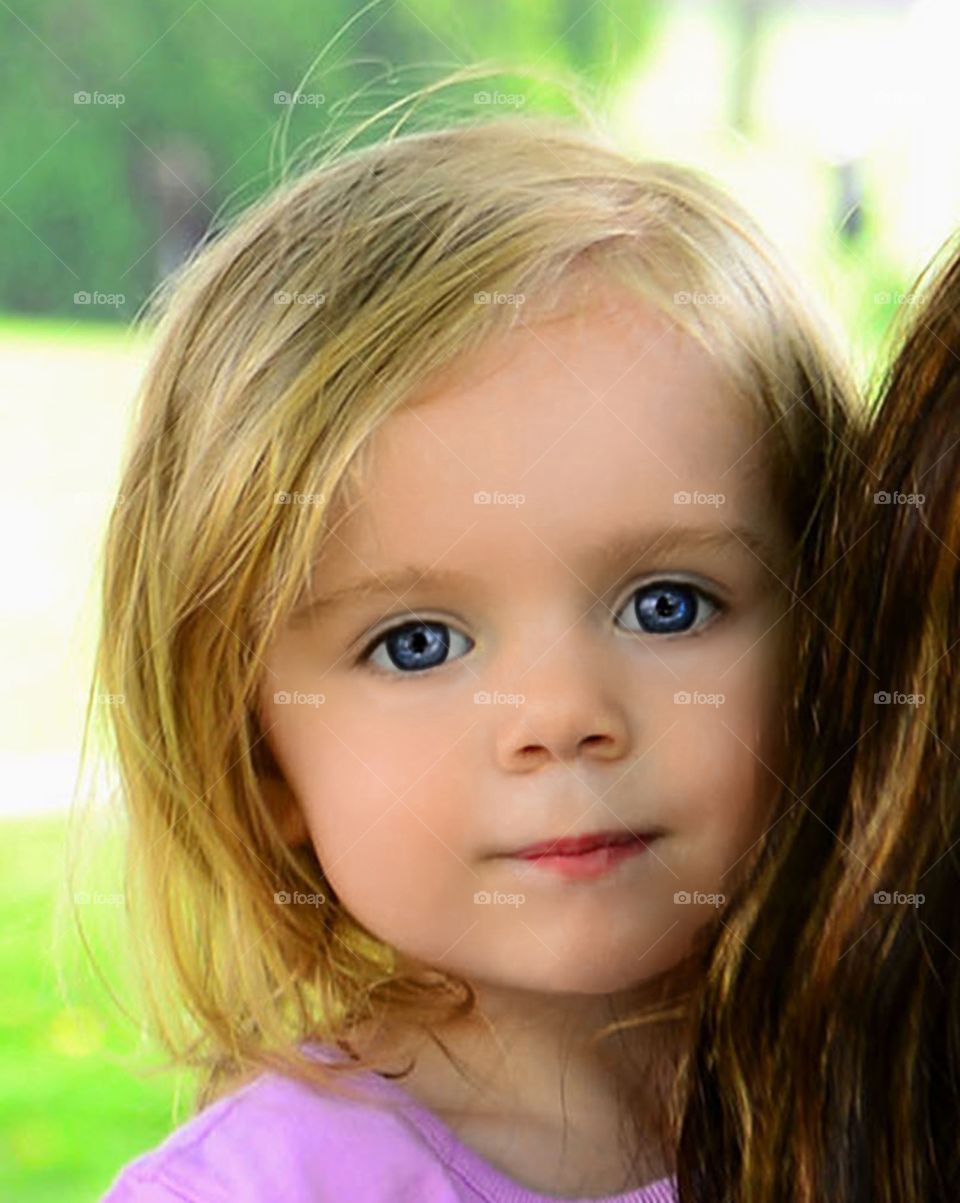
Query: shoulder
{"points": [[277, 1138]]}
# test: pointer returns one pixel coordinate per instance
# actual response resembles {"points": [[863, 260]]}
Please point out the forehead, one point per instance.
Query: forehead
{"points": [[568, 426]]}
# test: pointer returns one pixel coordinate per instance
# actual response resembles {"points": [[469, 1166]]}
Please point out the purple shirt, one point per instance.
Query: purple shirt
{"points": [[276, 1140]]}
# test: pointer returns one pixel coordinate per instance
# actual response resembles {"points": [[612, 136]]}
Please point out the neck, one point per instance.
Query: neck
{"points": [[529, 1059]]}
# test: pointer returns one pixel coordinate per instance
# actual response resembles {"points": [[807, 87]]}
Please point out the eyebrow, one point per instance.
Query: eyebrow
{"points": [[629, 545]]}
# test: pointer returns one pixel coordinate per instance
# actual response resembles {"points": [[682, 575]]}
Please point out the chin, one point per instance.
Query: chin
{"points": [[543, 974]]}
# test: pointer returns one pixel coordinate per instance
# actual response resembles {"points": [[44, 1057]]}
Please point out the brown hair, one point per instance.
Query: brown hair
{"points": [[828, 1059]]}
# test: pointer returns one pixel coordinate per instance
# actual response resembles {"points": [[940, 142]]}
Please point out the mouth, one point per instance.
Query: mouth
{"points": [[583, 858], [581, 845]]}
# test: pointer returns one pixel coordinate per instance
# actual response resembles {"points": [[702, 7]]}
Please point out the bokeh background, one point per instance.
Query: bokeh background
{"points": [[132, 132]]}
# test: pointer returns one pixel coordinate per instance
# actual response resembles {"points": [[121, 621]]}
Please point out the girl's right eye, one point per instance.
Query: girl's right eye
{"points": [[414, 646]]}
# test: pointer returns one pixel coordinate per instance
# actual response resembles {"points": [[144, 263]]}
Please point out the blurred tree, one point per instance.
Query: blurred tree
{"points": [[131, 129]]}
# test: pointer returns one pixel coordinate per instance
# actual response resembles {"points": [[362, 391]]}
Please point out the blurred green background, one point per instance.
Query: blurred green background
{"points": [[132, 132]]}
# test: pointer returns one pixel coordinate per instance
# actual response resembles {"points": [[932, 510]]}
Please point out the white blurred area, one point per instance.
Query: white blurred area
{"points": [[66, 403], [776, 104]]}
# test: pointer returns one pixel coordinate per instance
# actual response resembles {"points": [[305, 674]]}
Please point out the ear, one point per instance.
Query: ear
{"points": [[286, 810]]}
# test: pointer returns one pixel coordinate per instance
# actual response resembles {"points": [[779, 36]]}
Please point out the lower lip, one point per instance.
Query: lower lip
{"points": [[585, 866]]}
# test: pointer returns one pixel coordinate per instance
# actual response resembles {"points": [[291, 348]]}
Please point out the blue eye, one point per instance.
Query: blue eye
{"points": [[661, 608], [670, 607], [415, 646]]}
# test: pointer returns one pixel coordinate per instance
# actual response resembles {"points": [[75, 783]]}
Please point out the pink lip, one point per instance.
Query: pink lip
{"points": [[594, 862], [579, 844]]}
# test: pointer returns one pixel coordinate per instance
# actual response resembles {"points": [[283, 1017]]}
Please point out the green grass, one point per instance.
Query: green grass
{"points": [[71, 1112], [72, 1108]]}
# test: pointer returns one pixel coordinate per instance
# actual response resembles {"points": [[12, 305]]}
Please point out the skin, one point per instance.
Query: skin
{"points": [[412, 791]]}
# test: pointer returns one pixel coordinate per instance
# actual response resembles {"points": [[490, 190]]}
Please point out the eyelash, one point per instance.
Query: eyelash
{"points": [[362, 659]]}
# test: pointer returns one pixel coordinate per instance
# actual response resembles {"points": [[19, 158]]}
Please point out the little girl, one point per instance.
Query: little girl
{"points": [[448, 600]]}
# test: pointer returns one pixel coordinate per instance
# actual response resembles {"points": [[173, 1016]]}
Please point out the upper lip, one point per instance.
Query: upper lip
{"points": [[573, 845]]}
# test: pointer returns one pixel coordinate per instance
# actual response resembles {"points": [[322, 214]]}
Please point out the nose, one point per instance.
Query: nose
{"points": [[532, 747], [568, 711]]}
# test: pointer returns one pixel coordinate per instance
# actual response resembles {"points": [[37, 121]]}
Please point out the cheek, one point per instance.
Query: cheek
{"points": [[352, 759], [720, 771], [395, 865], [385, 811]]}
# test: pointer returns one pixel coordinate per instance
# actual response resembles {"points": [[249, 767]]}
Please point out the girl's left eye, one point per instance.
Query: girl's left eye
{"points": [[661, 608], [672, 607]]}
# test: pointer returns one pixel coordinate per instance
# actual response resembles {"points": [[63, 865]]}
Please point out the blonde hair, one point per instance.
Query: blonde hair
{"points": [[281, 347]]}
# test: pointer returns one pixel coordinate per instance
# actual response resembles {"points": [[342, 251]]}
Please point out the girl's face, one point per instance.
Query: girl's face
{"points": [[579, 522]]}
